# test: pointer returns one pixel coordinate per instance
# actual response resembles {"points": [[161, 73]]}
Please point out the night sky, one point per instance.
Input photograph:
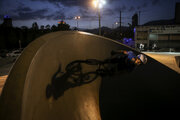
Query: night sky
{"points": [[25, 12]]}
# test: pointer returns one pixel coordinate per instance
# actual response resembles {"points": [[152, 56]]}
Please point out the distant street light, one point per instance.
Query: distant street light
{"points": [[77, 18], [116, 24], [99, 4]]}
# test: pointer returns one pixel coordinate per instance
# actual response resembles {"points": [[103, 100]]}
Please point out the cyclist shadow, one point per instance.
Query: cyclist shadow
{"points": [[72, 77]]}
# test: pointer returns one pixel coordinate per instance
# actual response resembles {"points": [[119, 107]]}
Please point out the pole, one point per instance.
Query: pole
{"points": [[139, 16], [120, 20], [77, 24], [99, 21]]}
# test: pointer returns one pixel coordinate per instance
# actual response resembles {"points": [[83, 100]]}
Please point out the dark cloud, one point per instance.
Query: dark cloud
{"points": [[87, 15], [69, 18], [108, 12], [23, 9], [68, 3], [155, 2], [38, 14], [144, 5], [84, 11], [131, 9], [20, 9], [57, 15], [85, 3], [24, 12], [121, 8]]}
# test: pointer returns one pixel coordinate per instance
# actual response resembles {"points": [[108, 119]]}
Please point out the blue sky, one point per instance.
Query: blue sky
{"points": [[25, 12]]}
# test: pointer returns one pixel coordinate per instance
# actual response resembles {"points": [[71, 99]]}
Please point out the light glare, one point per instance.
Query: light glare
{"points": [[99, 3], [95, 3], [77, 17], [103, 2]]}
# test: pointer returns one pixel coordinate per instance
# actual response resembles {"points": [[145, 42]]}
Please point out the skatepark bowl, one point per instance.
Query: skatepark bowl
{"points": [[151, 91]]}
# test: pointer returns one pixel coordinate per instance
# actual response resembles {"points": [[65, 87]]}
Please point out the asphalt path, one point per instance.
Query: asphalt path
{"points": [[2, 82], [5, 67]]}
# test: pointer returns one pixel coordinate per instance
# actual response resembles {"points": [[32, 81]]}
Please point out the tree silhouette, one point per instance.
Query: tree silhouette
{"points": [[35, 26], [24, 27], [42, 27], [10, 36], [48, 27], [62, 26], [54, 28]]}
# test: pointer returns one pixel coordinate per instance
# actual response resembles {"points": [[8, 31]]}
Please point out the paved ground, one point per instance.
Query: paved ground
{"points": [[5, 67], [2, 81]]}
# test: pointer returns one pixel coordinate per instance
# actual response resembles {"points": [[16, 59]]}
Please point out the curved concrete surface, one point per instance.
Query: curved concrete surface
{"points": [[171, 60], [148, 91], [2, 81], [24, 90]]}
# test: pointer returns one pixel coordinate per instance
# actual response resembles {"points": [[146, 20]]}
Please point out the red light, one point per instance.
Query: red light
{"points": [[61, 22]]}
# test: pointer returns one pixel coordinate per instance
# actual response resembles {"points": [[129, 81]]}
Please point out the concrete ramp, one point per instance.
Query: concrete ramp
{"points": [[148, 91], [25, 90], [177, 58], [171, 60]]}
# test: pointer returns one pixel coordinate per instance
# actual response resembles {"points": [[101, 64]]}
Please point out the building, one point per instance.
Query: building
{"points": [[157, 37], [135, 20], [160, 34], [7, 21], [177, 13]]}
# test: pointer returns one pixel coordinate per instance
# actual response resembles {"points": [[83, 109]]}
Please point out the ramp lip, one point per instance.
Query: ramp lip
{"points": [[90, 34], [164, 53]]}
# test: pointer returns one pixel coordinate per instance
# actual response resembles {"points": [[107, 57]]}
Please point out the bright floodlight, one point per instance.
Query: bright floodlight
{"points": [[99, 3], [95, 3], [77, 17]]}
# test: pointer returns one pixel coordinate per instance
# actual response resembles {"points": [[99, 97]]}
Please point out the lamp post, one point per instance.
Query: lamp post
{"points": [[99, 4], [77, 18]]}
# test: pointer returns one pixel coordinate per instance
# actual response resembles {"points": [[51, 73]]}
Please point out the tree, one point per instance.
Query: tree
{"points": [[35, 26], [42, 27], [63, 26], [54, 28], [24, 27], [48, 27]]}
